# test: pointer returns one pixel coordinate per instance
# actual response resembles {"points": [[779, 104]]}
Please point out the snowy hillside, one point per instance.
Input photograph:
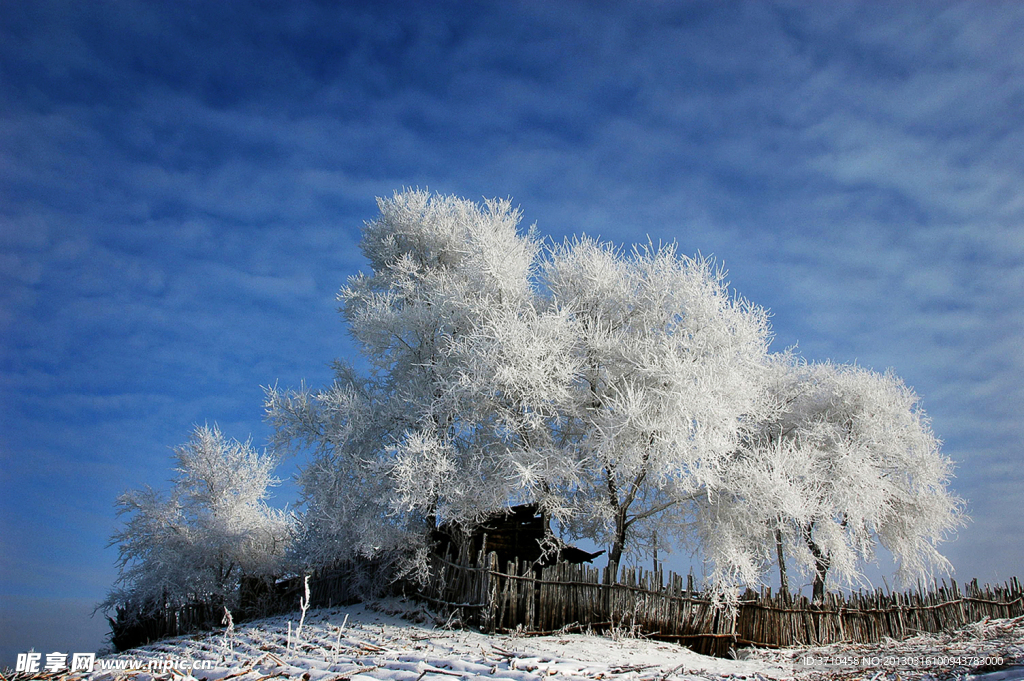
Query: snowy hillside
{"points": [[396, 640]]}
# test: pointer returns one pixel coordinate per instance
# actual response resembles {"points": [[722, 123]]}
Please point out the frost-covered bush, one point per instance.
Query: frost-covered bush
{"points": [[215, 527]]}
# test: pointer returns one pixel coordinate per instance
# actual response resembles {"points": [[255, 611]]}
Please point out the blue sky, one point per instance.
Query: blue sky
{"points": [[182, 187]]}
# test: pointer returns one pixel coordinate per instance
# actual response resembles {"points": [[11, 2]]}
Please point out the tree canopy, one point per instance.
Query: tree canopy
{"points": [[846, 461], [213, 529]]}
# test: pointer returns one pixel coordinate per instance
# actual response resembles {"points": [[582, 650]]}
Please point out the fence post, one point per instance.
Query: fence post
{"points": [[490, 593]]}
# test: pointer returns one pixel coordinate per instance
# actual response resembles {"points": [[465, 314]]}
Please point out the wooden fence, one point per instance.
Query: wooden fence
{"points": [[564, 597], [135, 626], [567, 597]]}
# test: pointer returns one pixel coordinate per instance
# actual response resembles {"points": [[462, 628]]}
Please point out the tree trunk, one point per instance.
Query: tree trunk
{"points": [[821, 564], [783, 579], [619, 540], [621, 506], [818, 590]]}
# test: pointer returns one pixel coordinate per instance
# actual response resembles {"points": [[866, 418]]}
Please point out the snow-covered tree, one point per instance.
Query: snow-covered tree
{"points": [[214, 528], [667, 365], [846, 462], [346, 488], [420, 441]]}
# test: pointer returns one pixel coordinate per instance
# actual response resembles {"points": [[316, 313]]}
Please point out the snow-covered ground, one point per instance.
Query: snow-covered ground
{"points": [[397, 640]]}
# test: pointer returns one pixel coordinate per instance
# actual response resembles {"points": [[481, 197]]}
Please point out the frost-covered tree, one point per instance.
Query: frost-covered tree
{"points": [[846, 462], [667, 365], [346, 488], [421, 441], [213, 529]]}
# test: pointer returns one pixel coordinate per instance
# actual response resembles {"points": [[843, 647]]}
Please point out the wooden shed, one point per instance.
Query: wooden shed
{"points": [[518, 533]]}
